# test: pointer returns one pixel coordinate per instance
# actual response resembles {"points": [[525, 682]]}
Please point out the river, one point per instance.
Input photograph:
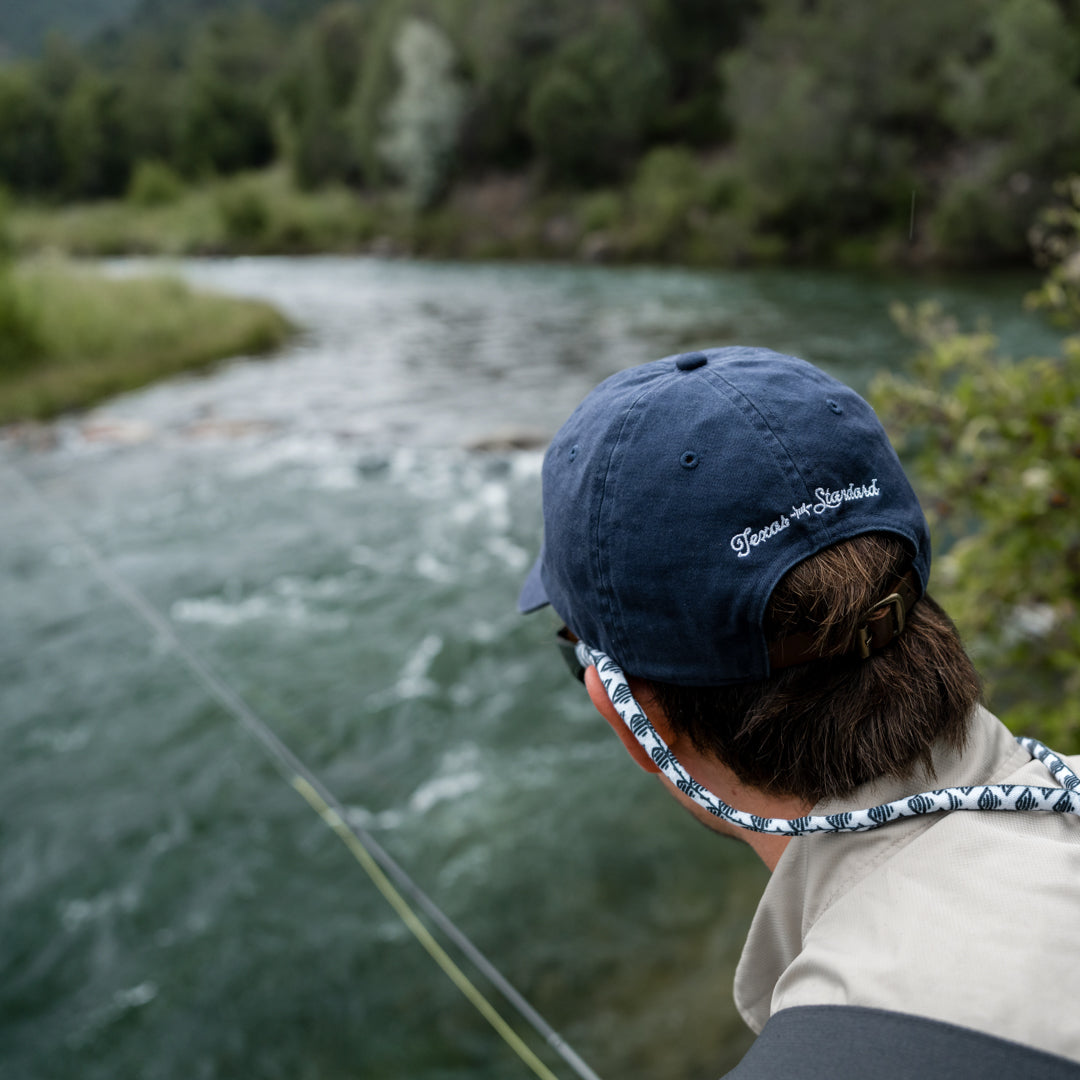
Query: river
{"points": [[340, 531]]}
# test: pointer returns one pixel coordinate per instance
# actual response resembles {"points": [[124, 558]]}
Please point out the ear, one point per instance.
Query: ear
{"points": [[608, 711]]}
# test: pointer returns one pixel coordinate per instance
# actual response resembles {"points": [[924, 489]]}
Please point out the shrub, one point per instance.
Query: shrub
{"points": [[981, 214], [600, 210], [994, 445], [1055, 239], [153, 183], [244, 213]]}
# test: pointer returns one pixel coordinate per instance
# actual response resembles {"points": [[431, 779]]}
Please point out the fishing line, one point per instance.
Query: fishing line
{"points": [[374, 859]]}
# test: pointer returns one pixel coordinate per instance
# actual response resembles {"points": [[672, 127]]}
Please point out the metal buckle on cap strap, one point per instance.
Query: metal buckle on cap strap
{"points": [[880, 625], [895, 602]]}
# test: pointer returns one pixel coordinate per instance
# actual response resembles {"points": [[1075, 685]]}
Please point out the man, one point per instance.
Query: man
{"points": [[733, 544]]}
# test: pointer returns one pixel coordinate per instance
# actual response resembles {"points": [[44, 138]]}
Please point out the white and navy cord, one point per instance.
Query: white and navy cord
{"points": [[1061, 800]]}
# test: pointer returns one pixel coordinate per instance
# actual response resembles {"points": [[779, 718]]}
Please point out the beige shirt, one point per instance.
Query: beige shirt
{"points": [[971, 917]]}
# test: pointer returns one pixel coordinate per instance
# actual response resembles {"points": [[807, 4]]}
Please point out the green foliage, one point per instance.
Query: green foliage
{"points": [[1056, 239], [840, 110], [422, 122], [20, 340], [93, 138], [60, 66], [976, 218], [20, 337], [828, 103], [153, 183], [335, 44], [1021, 91], [601, 210], [152, 99], [320, 150], [1016, 107], [994, 445], [30, 159], [506, 46], [316, 89], [224, 121], [592, 109], [375, 84], [668, 187], [691, 35], [244, 212], [260, 213], [566, 119]]}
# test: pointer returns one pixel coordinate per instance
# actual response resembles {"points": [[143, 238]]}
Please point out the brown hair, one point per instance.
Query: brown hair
{"points": [[822, 728]]}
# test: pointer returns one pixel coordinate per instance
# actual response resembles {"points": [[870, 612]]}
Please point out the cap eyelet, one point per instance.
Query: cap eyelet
{"points": [[689, 460], [691, 361], [573, 452], [835, 406]]}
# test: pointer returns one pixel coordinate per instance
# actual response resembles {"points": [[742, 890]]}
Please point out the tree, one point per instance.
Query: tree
{"points": [[841, 110], [316, 88], [1021, 92], [93, 139], [336, 42], [225, 123], [151, 85], [691, 34], [507, 45], [591, 110], [1016, 106], [29, 148], [422, 122]]}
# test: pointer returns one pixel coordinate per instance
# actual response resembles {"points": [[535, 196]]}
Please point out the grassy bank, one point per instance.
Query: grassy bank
{"points": [[677, 208], [72, 337], [257, 213]]}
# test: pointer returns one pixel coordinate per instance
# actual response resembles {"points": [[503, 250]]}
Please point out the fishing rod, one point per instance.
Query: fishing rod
{"points": [[388, 877]]}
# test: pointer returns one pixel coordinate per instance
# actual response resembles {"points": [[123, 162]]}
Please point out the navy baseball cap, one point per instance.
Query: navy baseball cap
{"points": [[680, 492]]}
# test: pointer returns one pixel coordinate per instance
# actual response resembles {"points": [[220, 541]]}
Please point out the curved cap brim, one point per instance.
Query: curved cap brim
{"points": [[533, 594]]}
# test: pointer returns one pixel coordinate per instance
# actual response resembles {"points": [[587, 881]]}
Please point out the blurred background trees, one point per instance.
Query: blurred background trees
{"points": [[820, 122]]}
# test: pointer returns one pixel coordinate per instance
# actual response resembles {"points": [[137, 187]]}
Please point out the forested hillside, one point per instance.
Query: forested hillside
{"points": [[23, 25], [922, 130]]}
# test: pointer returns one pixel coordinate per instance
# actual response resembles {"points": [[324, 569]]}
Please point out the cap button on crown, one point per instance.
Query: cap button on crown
{"points": [[689, 361]]}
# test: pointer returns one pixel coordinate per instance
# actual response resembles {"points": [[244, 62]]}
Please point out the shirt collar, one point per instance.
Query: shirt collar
{"points": [[812, 869]]}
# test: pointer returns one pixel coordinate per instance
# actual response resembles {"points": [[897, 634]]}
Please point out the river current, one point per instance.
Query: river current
{"points": [[340, 531]]}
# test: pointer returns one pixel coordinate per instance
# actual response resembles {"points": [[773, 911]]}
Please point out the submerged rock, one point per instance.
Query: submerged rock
{"points": [[503, 439]]}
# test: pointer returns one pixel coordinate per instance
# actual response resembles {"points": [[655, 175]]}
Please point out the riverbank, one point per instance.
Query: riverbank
{"points": [[677, 209], [77, 337]]}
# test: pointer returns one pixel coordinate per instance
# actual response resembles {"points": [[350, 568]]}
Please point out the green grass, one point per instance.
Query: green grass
{"points": [[255, 213], [676, 209], [94, 337]]}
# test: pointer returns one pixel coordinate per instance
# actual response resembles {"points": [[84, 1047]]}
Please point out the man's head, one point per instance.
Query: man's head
{"points": [[678, 498]]}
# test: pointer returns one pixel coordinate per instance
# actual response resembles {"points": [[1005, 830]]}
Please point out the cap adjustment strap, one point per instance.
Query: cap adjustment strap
{"points": [[881, 624]]}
